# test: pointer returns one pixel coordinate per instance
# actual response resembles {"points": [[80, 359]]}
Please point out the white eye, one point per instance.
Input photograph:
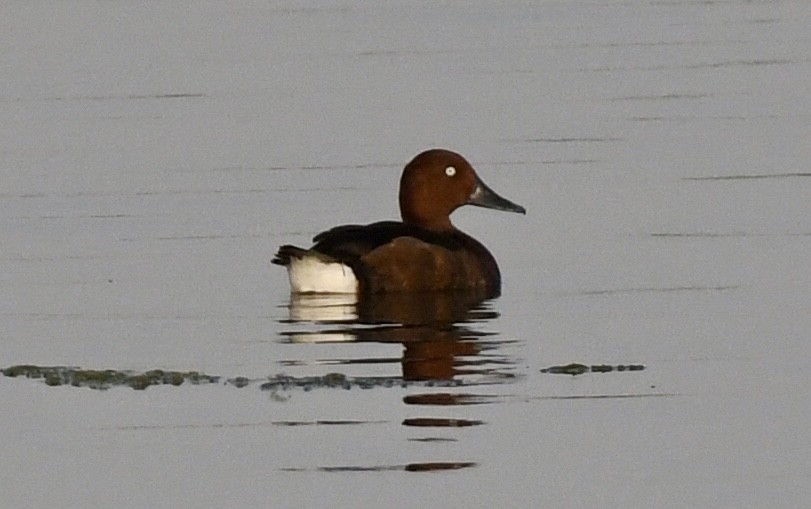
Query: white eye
{"points": [[450, 171]]}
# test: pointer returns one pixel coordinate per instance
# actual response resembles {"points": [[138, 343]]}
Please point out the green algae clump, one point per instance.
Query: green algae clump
{"points": [[55, 376], [578, 369], [25, 370]]}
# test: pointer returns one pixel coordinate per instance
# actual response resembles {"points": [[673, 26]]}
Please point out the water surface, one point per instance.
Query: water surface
{"points": [[153, 157]]}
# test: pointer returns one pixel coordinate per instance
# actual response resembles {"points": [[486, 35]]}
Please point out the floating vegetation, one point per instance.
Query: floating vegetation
{"points": [[239, 382], [104, 379], [56, 376], [330, 380], [579, 369], [341, 381]]}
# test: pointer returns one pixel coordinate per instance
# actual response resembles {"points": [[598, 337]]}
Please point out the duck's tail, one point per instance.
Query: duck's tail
{"points": [[314, 272], [287, 253]]}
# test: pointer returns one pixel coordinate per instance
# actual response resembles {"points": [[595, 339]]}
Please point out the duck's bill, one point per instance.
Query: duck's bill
{"points": [[483, 196]]}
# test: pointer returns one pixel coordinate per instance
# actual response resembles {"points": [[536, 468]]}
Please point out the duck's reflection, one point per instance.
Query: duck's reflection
{"points": [[443, 344], [439, 331]]}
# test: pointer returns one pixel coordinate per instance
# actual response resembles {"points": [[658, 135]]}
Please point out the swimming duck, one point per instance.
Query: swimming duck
{"points": [[422, 253]]}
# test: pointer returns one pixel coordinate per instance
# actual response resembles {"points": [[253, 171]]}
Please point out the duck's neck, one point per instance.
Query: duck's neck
{"points": [[439, 225]]}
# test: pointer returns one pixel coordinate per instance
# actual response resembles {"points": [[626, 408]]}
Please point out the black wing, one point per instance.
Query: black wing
{"points": [[350, 242]]}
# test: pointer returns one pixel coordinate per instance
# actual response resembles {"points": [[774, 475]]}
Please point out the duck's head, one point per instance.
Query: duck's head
{"points": [[437, 182]]}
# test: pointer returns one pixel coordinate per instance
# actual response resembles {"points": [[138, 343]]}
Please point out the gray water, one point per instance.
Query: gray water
{"points": [[154, 155]]}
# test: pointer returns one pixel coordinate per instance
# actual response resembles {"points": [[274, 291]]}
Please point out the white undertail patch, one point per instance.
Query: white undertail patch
{"points": [[310, 274]]}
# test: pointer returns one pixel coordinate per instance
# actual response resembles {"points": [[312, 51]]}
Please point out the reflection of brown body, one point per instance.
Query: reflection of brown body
{"points": [[426, 324], [433, 344], [436, 360], [431, 309], [437, 345]]}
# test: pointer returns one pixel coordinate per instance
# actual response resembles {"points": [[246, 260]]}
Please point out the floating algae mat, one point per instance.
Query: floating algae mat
{"points": [[578, 369], [341, 381], [105, 379]]}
